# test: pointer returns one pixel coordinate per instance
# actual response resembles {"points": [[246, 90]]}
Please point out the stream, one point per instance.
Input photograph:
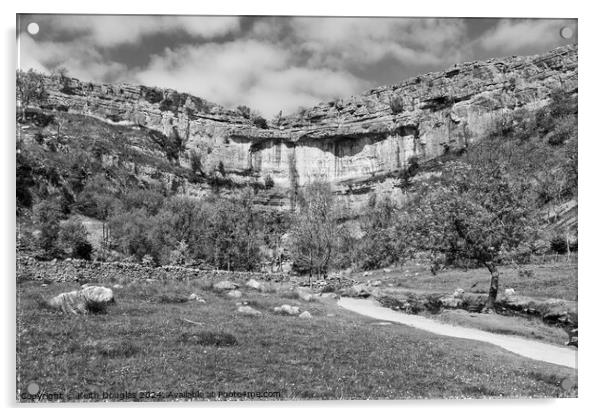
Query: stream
{"points": [[535, 350]]}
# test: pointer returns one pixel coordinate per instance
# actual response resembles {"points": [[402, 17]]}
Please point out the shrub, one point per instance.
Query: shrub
{"points": [[195, 161], [260, 122], [558, 244], [269, 182], [73, 240], [47, 218], [396, 104], [221, 169], [244, 111]]}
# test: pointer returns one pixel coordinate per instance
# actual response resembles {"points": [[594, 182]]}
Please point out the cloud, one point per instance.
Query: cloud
{"points": [[250, 72], [78, 57], [364, 41], [526, 36], [272, 63], [110, 31]]}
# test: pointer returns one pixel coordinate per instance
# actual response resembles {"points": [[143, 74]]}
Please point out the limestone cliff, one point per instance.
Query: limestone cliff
{"points": [[358, 143]]}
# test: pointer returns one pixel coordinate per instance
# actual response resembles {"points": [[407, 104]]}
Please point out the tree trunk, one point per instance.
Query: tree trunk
{"points": [[493, 287]]}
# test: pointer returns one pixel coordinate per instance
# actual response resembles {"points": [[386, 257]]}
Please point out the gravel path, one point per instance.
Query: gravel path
{"points": [[535, 350]]}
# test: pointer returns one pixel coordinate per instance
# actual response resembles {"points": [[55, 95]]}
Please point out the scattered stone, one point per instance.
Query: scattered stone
{"points": [[254, 284], [247, 310], [387, 270], [509, 292], [305, 315], [117, 286], [330, 295], [225, 285], [193, 296], [235, 294], [376, 283], [304, 294], [451, 302], [287, 310], [360, 291]]}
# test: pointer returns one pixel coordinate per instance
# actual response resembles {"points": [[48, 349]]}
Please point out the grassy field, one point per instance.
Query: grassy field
{"points": [[144, 345], [557, 280]]}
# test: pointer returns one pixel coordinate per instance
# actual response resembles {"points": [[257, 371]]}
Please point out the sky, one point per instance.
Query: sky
{"points": [[272, 63]]}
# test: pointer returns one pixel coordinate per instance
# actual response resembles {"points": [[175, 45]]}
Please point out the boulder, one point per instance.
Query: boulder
{"points": [[451, 302], [254, 284], [97, 294], [235, 294], [225, 285], [87, 299], [330, 295], [509, 292], [118, 286], [360, 291], [287, 310], [458, 293], [305, 315], [304, 294], [249, 311]]}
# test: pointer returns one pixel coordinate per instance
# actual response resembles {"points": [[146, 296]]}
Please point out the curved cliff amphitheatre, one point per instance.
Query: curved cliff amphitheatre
{"points": [[235, 254], [358, 144]]}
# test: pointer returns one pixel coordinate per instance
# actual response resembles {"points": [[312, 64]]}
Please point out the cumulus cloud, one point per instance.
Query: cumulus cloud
{"points": [[108, 31], [271, 63], [364, 41], [526, 36], [78, 57], [247, 72]]}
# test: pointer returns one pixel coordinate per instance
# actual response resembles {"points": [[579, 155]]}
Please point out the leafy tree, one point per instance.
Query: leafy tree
{"points": [[195, 161], [313, 233], [47, 215], [476, 214], [379, 245], [30, 88], [73, 239]]}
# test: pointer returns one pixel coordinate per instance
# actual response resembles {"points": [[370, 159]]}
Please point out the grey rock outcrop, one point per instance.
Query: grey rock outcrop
{"points": [[358, 144]]}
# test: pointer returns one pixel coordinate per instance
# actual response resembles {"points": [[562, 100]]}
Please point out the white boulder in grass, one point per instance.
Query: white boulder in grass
{"points": [[225, 285], [305, 315], [304, 294], [287, 310], [458, 293], [254, 284], [87, 299], [509, 292], [247, 310], [235, 294]]}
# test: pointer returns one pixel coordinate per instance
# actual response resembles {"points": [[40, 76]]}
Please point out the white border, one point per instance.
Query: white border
{"points": [[590, 152]]}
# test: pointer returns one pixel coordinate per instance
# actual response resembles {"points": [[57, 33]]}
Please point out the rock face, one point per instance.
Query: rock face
{"points": [[357, 144]]}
